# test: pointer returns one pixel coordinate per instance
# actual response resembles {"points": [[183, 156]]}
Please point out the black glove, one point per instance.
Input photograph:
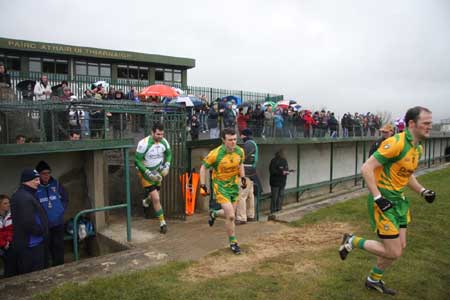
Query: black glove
{"points": [[203, 190], [428, 195], [384, 204], [243, 183]]}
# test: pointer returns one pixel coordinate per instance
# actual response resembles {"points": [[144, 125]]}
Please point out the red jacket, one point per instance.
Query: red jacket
{"points": [[309, 120], [6, 230], [242, 121]]}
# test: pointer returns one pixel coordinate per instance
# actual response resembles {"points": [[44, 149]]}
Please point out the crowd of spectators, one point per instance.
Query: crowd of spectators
{"points": [[267, 120]]}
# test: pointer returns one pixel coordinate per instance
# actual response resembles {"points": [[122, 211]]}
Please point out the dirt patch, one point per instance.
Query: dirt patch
{"points": [[307, 238]]}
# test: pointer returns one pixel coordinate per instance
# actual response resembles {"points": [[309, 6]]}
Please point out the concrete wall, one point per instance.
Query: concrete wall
{"points": [[314, 163]]}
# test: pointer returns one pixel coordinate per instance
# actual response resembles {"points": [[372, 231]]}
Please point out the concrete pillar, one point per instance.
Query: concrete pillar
{"points": [[151, 75], [96, 185], [184, 78]]}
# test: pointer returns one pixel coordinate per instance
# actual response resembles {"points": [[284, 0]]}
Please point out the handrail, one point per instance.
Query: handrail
{"points": [[91, 210]]}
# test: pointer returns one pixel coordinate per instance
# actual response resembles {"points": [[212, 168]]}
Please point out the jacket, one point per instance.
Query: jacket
{"points": [[5, 78], [28, 217], [40, 89], [53, 199], [242, 121], [276, 168], [212, 120], [6, 230]]}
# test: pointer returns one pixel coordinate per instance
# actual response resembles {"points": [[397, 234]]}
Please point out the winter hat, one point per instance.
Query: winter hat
{"points": [[28, 174], [41, 166]]}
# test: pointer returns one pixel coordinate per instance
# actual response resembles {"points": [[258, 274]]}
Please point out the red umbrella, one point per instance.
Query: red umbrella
{"points": [[160, 90], [284, 104]]}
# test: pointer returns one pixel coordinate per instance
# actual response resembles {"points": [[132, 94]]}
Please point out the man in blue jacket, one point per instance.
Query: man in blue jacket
{"points": [[30, 229], [53, 199]]}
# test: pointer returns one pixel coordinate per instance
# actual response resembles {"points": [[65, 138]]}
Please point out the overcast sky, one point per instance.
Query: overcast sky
{"points": [[349, 55]]}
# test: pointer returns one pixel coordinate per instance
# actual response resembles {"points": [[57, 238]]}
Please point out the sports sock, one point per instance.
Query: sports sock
{"points": [[214, 213], [160, 215], [358, 242], [232, 239], [375, 275]]}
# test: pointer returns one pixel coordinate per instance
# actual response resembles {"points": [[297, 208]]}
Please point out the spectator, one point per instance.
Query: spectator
{"points": [[66, 94], [118, 120], [386, 131], [291, 120], [20, 139], [133, 94], [357, 125], [136, 119], [344, 124], [400, 123], [203, 114], [88, 95], [316, 124], [53, 199], [74, 135], [5, 79], [278, 170], [323, 123], [245, 210], [268, 121], [111, 93], [195, 127], [59, 92], [278, 122], [299, 123], [372, 124], [28, 93], [333, 124], [30, 226], [229, 117], [6, 234], [42, 89], [309, 123], [258, 120], [213, 121], [242, 120]]}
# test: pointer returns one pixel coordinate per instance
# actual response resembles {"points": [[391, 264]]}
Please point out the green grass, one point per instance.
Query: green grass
{"points": [[422, 273]]}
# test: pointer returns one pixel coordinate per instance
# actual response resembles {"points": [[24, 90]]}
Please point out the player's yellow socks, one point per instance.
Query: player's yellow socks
{"points": [[232, 239], [160, 215], [376, 274], [358, 242]]}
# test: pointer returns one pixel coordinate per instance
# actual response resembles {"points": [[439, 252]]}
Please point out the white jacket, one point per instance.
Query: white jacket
{"points": [[39, 90]]}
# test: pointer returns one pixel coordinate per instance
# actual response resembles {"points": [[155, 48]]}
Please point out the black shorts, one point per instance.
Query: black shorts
{"points": [[151, 188]]}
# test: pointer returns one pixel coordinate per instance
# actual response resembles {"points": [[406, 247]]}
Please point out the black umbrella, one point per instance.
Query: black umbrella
{"points": [[54, 88], [23, 85]]}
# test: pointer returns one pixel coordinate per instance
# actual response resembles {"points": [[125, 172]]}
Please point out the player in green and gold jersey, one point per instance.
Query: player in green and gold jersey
{"points": [[387, 173], [226, 161]]}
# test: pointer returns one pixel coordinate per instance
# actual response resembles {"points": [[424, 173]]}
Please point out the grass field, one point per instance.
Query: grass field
{"points": [[302, 263]]}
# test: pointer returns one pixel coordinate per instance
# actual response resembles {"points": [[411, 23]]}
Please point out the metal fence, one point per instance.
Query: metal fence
{"points": [[81, 83]]}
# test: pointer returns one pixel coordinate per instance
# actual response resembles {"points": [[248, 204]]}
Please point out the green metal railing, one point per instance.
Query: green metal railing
{"points": [[94, 210]]}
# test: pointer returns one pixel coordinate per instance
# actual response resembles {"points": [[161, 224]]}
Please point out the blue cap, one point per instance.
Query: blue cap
{"points": [[28, 174]]}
